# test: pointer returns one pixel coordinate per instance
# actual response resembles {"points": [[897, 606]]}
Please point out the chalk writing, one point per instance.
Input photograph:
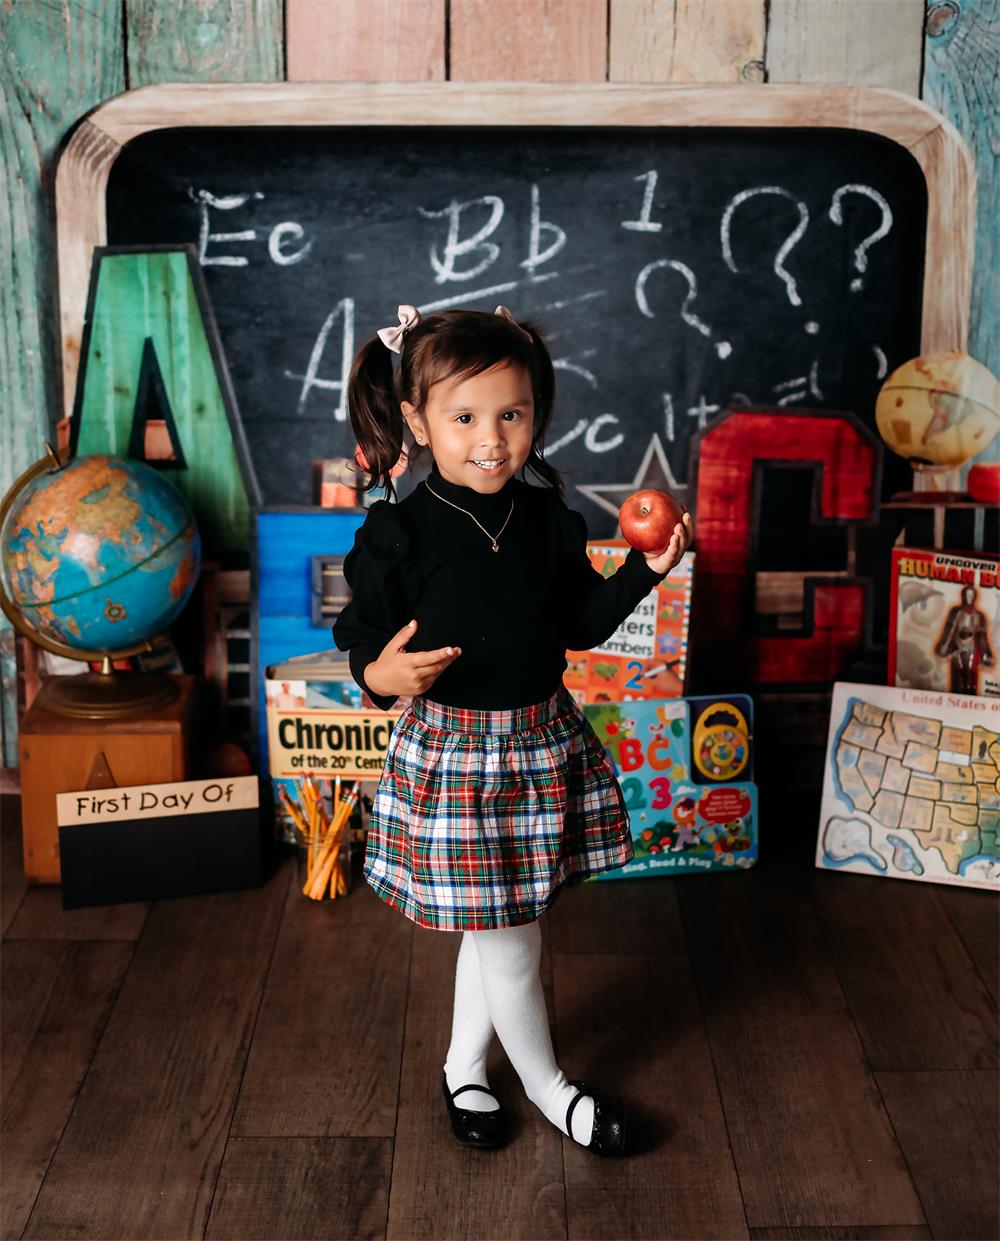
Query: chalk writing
{"points": [[443, 261], [344, 310], [861, 251], [790, 242], [276, 238], [644, 224]]}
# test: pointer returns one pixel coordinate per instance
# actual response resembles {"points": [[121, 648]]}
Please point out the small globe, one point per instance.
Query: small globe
{"points": [[100, 555], [939, 410]]}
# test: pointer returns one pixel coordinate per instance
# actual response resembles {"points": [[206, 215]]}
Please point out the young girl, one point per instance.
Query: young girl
{"points": [[496, 792]]}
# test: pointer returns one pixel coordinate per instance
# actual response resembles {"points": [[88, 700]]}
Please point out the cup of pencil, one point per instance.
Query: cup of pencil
{"points": [[322, 824]]}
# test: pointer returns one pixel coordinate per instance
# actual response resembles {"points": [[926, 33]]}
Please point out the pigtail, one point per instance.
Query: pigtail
{"points": [[545, 390], [376, 419]]}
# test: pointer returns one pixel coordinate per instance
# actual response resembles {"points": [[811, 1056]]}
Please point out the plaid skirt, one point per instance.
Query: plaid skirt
{"points": [[481, 817]]}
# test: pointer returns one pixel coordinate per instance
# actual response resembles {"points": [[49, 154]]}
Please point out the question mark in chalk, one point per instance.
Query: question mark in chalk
{"points": [[837, 216], [722, 347], [789, 244]]}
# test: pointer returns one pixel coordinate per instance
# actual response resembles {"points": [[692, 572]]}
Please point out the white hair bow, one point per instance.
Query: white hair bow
{"points": [[392, 337]]}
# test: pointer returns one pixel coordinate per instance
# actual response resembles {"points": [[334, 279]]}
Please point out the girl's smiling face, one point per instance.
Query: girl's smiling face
{"points": [[473, 421]]}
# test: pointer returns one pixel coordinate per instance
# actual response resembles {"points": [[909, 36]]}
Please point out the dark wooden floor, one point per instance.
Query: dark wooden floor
{"points": [[807, 1055]]}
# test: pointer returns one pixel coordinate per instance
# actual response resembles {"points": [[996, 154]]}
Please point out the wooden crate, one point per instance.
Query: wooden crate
{"points": [[58, 755]]}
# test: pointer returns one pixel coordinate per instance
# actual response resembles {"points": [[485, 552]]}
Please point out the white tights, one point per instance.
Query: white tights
{"points": [[497, 987]]}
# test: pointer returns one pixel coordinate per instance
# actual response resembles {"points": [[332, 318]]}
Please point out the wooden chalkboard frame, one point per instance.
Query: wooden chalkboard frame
{"points": [[944, 159]]}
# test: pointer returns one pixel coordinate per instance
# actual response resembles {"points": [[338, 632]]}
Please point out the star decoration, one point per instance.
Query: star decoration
{"points": [[654, 473]]}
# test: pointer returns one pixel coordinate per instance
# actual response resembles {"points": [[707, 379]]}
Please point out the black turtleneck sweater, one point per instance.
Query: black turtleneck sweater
{"points": [[514, 612]]}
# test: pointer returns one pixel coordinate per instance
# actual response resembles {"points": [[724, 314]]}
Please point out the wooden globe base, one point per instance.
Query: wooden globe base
{"points": [[929, 499], [106, 695]]}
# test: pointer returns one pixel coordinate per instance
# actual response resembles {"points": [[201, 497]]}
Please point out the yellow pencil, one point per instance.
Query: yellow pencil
{"points": [[314, 889], [335, 874], [313, 828], [327, 864], [324, 822], [340, 817], [294, 810], [307, 793]]}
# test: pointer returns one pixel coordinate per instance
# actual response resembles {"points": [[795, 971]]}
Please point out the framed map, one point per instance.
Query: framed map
{"points": [[912, 786]]}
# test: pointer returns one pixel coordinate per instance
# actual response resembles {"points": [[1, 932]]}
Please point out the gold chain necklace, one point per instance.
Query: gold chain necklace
{"points": [[494, 539]]}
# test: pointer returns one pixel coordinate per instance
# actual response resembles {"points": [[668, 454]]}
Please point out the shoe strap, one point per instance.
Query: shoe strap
{"points": [[569, 1114], [484, 1089]]}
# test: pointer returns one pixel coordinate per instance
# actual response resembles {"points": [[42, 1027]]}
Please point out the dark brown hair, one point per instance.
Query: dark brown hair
{"points": [[447, 345]]}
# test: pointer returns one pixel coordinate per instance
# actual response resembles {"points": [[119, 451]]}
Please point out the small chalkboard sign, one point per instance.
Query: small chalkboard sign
{"points": [[152, 841], [687, 249]]}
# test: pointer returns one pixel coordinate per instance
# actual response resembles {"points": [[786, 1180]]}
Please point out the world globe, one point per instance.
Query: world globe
{"points": [[939, 410], [97, 557]]}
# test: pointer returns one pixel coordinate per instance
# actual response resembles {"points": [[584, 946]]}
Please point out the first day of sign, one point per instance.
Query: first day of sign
{"points": [[156, 801]]}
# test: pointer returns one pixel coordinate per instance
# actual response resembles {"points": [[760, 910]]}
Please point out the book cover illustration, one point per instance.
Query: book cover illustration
{"points": [[912, 786], [322, 731], [945, 622], [686, 771], [646, 656]]}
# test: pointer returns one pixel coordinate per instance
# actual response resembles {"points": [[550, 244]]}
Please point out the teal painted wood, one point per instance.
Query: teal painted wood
{"points": [[962, 80], [205, 41], [59, 59], [140, 296]]}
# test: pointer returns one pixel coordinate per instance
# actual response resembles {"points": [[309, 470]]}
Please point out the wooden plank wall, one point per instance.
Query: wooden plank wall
{"points": [[58, 62], [960, 80], [62, 57]]}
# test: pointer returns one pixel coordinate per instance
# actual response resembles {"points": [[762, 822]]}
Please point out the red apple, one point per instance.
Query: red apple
{"points": [[647, 520]]}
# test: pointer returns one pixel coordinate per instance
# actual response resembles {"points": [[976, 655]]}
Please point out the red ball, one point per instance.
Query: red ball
{"points": [[229, 759], [984, 483], [647, 519]]}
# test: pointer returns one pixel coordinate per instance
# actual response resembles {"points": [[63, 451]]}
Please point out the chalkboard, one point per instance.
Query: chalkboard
{"points": [[677, 271]]}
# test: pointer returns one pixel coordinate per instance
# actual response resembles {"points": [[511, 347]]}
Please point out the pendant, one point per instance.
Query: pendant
{"points": [[495, 547]]}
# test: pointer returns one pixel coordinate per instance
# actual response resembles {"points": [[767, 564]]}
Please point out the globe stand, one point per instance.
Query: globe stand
{"points": [[932, 485], [930, 499], [106, 694]]}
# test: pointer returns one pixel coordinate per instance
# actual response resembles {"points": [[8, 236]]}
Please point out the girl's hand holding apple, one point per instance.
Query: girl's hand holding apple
{"points": [[680, 540], [655, 524]]}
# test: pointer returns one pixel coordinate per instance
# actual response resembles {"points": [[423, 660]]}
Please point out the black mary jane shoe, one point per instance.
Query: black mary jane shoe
{"points": [[487, 1130], [610, 1122]]}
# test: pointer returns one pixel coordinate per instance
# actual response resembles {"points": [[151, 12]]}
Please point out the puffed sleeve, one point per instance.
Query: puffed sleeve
{"points": [[378, 571], [597, 605]]}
